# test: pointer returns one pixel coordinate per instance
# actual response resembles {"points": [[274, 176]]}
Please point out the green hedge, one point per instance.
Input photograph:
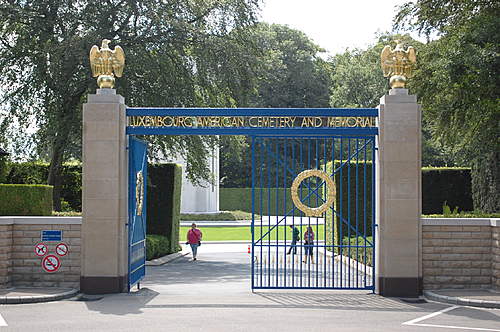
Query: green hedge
{"points": [[450, 185], [439, 185], [348, 192], [164, 202], [37, 173], [25, 200], [157, 246]]}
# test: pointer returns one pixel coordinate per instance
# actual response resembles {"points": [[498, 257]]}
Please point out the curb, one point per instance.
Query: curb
{"points": [[461, 300], [165, 259], [38, 298]]}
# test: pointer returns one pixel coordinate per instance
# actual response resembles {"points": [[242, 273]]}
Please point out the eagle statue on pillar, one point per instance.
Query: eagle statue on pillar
{"points": [[398, 64], [106, 64]]}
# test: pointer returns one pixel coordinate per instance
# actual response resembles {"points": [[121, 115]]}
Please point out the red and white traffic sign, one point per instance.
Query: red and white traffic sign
{"points": [[40, 249], [62, 249], [51, 263]]}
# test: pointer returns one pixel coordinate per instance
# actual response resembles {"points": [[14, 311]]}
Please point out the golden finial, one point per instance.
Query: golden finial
{"points": [[398, 64], [106, 61]]}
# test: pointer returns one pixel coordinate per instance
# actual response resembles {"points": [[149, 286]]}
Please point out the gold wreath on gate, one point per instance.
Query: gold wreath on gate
{"points": [[139, 193], [309, 211]]}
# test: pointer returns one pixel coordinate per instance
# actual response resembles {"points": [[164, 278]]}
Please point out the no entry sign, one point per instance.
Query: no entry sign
{"points": [[51, 263], [40, 249], [62, 249]]}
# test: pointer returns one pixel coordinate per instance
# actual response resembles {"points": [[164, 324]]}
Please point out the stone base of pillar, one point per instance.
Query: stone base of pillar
{"points": [[400, 287], [103, 285]]}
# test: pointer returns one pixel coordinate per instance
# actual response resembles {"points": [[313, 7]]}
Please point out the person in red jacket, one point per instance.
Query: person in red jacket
{"points": [[194, 236]]}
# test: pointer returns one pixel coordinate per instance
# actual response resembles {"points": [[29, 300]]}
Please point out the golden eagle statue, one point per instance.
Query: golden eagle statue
{"points": [[106, 64], [398, 64]]}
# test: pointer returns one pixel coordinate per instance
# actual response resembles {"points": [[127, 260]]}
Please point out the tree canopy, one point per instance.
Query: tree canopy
{"points": [[457, 82], [177, 55]]}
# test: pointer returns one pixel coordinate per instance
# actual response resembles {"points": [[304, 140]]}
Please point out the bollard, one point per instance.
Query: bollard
{"points": [[248, 248]]}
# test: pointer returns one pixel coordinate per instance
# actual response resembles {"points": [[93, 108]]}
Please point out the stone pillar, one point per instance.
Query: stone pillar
{"points": [[104, 184], [398, 195]]}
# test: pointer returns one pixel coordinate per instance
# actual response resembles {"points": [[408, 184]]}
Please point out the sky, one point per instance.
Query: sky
{"points": [[332, 24]]}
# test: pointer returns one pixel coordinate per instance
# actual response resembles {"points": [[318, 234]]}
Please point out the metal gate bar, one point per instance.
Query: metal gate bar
{"points": [[331, 262]]}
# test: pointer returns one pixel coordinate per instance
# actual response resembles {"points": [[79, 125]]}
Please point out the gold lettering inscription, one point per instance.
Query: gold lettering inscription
{"points": [[253, 121]]}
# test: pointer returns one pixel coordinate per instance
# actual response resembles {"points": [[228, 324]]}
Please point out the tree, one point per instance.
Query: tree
{"points": [[357, 78], [458, 82], [174, 49], [292, 73], [287, 72], [357, 81]]}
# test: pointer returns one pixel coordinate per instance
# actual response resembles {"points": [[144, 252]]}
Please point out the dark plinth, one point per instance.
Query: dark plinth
{"points": [[400, 287], [103, 285]]}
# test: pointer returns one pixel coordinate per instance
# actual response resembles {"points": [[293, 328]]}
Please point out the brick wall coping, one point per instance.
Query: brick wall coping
{"points": [[495, 222], [22, 220]]}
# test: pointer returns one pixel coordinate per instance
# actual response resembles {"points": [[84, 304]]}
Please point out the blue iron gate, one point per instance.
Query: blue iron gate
{"points": [[138, 161], [312, 169], [321, 189]]}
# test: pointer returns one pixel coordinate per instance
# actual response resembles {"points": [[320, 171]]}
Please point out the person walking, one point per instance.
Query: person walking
{"points": [[194, 236], [309, 242], [295, 239]]}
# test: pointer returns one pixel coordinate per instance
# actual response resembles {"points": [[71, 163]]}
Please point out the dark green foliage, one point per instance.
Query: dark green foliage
{"points": [[348, 194], [457, 83], [37, 172], [164, 202], [25, 200], [486, 182], [157, 246], [446, 185], [3, 168], [292, 73], [241, 199], [179, 53]]}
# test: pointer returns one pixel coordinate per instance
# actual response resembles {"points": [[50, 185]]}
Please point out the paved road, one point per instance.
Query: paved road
{"points": [[213, 294]]}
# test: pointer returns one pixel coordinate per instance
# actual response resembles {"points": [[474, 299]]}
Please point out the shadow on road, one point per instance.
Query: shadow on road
{"points": [[185, 271]]}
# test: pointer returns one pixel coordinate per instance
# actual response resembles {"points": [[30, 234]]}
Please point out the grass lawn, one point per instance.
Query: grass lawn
{"points": [[244, 233], [223, 215]]}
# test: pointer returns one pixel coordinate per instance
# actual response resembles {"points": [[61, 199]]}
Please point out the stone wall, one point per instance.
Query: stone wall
{"points": [[5, 254], [20, 265], [459, 253], [495, 239]]}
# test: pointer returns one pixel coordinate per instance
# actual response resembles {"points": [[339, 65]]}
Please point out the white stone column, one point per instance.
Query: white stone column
{"points": [[104, 191], [398, 195]]}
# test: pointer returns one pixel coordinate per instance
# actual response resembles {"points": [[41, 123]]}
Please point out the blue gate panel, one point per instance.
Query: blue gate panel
{"points": [[332, 248], [137, 211]]}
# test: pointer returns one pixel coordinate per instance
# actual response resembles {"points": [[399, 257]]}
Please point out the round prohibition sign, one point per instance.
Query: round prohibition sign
{"points": [[51, 263], [62, 249], [40, 249]]}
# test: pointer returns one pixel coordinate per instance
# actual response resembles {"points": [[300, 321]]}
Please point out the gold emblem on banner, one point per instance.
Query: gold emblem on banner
{"points": [[139, 193], [330, 196]]}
